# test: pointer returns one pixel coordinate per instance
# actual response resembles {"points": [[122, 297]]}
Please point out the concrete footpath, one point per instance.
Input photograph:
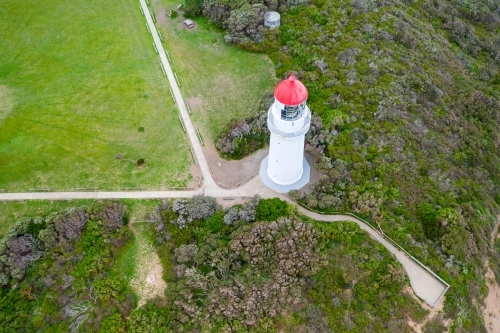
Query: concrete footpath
{"points": [[179, 100], [424, 284]]}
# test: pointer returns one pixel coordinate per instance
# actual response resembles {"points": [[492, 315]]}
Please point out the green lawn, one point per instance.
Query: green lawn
{"points": [[77, 80], [228, 81]]}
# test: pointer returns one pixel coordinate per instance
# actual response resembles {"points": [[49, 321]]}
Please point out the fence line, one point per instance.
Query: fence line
{"points": [[182, 124], [162, 68], [199, 137], [238, 184], [142, 188], [147, 26], [187, 106], [223, 185], [168, 56], [211, 170], [159, 34], [141, 10], [171, 93], [177, 79], [156, 50], [40, 190], [87, 189], [192, 153], [390, 240]]}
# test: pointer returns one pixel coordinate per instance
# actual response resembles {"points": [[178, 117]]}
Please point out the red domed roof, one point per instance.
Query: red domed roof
{"points": [[291, 91]]}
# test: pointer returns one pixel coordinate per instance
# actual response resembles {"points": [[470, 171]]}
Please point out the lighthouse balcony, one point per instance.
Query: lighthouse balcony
{"points": [[274, 125]]}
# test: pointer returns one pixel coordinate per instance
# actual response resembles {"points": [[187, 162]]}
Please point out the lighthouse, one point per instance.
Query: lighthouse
{"points": [[288, 120]]}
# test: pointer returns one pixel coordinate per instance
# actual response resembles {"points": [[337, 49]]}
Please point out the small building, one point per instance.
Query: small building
{"points": [[272, 20], [189, 23]]}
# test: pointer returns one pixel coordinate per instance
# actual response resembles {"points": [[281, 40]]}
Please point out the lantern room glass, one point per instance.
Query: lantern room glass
{"points": [[290, 113]]}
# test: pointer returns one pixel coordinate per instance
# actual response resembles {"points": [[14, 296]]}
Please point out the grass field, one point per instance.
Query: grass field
{"points": [[77, 81], [228, 81]]}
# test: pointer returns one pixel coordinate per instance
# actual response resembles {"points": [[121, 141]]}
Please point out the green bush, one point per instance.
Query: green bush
{"points": [[192, 8], [271, 209], [427, 214], [113, 324]]}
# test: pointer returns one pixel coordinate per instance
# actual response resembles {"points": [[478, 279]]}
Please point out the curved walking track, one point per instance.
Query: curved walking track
{"points": [[425, 285]]}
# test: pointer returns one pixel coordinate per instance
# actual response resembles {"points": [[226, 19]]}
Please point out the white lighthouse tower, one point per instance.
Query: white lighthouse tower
{"points": [[288, 120]]}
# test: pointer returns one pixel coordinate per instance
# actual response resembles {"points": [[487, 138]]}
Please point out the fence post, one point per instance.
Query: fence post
{"points": [[171, 93], [182, 124]]}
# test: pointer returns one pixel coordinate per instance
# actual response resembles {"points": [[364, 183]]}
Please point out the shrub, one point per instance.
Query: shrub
{"points": [[245, 136], [192, 8], [140, 161], [427, 214], [198, 207], [113, 324], [109, 288], [271, 209], [246, 212]]}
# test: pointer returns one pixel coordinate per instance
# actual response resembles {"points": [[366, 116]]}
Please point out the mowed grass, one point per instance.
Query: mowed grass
{"points": [[228, 81], [77, 80]]}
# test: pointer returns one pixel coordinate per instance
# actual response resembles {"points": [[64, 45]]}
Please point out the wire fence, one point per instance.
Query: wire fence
{"points": [[211, 170], [86, 189], [378, 229]]}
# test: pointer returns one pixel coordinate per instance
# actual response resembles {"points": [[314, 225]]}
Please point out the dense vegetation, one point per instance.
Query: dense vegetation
{"points": [[242, 137], [406, 96], [260, 267], [54, 271], [256, 267]]}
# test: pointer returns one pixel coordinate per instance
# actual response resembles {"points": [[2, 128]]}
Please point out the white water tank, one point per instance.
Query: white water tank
{"points": [[272, 19]]}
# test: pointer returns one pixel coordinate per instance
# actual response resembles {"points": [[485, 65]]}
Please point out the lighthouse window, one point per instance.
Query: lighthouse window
{"points": [[292, 112]]}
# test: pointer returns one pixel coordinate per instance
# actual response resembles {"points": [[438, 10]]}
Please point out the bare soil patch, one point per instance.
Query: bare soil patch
{"points": [[231, 173], [197, 175], [195, 102], [147, 281], [491, 310], [238, 172], [433, 312], [161, 16]]}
